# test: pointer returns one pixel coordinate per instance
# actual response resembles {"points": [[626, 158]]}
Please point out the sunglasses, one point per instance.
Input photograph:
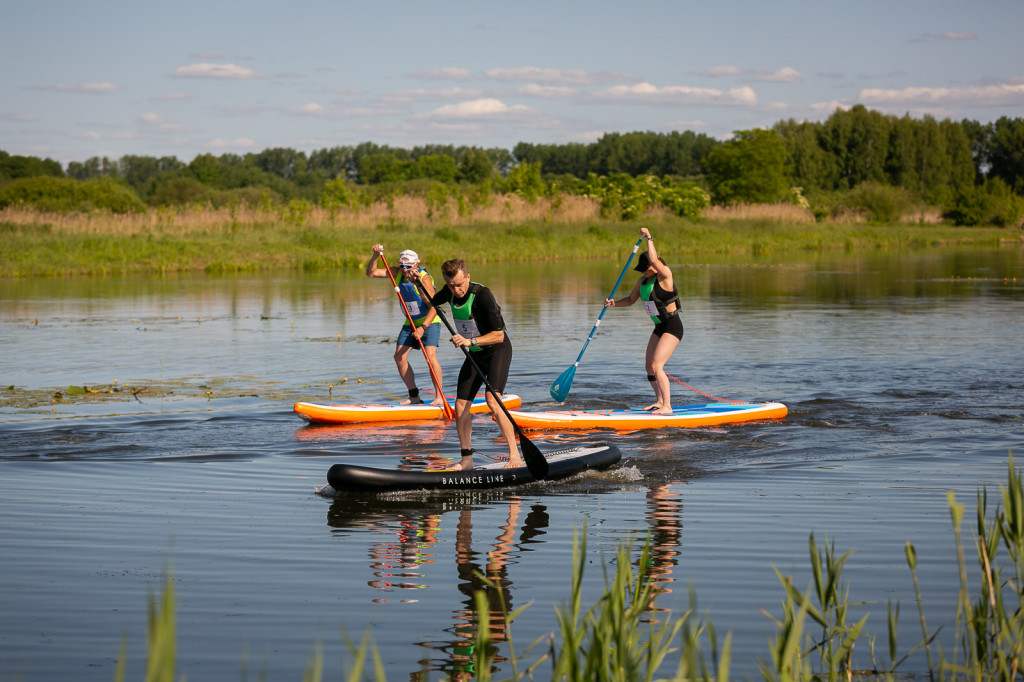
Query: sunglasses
{"points": [[406, 266]]}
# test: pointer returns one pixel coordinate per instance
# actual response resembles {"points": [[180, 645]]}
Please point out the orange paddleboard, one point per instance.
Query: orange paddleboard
{"points": [[352, 414]]}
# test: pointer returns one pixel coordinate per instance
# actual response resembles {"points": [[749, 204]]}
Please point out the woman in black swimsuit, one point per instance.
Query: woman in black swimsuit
{"points": [[661, 302]]}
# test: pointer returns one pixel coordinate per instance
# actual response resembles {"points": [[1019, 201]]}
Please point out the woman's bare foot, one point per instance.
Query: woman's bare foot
{"points": [[411, 401], [662, 410], [515, 463], [438, 402], [655, 406]]}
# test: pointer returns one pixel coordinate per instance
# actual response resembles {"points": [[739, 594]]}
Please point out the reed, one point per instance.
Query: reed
{"points": [[502, 228], [624, 637]]}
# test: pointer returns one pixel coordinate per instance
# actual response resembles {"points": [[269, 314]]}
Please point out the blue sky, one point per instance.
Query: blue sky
{"points": [[111, 77]]}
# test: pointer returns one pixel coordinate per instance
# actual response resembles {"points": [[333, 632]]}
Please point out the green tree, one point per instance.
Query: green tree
{"points": [[475, 166], [749, 168], [807, 164], [524, 180], [206, 169], [13, 167], [858, 140], [378, 168], [1006, 152], [440, 167]]}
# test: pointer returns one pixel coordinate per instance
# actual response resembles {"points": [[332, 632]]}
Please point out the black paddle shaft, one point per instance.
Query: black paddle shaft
{"points": [[532, 455]]}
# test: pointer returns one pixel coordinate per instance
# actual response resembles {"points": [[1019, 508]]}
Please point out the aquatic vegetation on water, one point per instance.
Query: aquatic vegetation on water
{"points": [[623, 636]]}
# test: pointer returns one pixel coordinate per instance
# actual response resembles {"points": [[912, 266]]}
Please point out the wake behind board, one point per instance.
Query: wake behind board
{"points": [[688, 416], [352, 414], [561, 463]]}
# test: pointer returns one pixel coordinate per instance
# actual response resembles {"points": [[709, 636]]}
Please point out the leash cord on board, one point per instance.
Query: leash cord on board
{"points": [[698, 392]]}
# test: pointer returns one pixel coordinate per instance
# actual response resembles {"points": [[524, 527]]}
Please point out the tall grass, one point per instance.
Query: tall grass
{"points": [[624, 637], [305, 237]]}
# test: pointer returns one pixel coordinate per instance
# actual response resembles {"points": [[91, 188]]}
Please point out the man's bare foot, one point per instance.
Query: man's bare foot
{"points": [[437, 403], [655, 406], [515, 463], [411, 401]]}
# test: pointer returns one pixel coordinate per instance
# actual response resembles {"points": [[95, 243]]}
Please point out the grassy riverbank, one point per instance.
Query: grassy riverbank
{"points": [[313, 239]]}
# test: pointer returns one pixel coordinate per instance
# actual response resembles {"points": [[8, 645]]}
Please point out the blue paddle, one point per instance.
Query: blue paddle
{"points": [[560, 389]]}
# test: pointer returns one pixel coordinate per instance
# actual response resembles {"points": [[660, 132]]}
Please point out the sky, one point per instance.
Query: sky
{"points": [[113, 77]]}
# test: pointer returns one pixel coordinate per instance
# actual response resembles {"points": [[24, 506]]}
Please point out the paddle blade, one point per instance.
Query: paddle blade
{"points": [[534, 458], [560, 389]]}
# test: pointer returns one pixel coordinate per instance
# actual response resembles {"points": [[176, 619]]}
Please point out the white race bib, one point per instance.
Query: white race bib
{"points": [[651, 308], [414, 308], [467, 328]]}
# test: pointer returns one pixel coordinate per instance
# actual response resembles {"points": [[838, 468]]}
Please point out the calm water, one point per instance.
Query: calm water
{"points": [[903, 376]]}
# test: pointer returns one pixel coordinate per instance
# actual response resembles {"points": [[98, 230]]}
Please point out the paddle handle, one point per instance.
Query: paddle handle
{"points": [[448, 410], [636, 247]]}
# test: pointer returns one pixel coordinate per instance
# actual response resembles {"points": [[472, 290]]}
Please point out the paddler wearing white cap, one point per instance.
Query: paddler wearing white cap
{"points": [[407, 273]]}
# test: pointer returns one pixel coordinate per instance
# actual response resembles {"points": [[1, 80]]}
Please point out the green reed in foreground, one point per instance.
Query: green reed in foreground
{"points": [[623, 637]]}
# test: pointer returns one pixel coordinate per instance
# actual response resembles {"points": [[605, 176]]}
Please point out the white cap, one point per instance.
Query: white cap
{"points": [[408, 256]]}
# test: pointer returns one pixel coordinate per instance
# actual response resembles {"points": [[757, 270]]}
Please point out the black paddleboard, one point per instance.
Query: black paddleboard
{"points": [[561, 463]]}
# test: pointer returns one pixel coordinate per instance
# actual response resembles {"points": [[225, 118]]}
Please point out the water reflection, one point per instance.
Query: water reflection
{"points": [[665, 520], [398, 564]]}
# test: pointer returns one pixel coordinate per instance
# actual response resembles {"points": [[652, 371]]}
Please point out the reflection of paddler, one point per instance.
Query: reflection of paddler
{"points": [[664, 514], [497, 588], [391, 561]]}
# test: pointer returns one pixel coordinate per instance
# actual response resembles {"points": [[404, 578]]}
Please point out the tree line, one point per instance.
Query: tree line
{"points": [[973, 171]]}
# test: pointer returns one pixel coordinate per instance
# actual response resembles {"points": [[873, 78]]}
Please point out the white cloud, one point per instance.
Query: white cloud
{"points": [[829, 106], [449, 73], [174, 96], [91, 135], [646, 93], [786, 74], [247, 110], [479, 108], [724, 70], [557, 76], [978, 96], [587, 136], [312, 109], [928, 37], [89, 88], [684, 125], [546, 91], [243, 142], [419, 94], [207, 70], [156, 124]]}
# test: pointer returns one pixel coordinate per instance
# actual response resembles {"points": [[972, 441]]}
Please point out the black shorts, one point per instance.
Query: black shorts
{"points": [[672, 325], [494, 361]]}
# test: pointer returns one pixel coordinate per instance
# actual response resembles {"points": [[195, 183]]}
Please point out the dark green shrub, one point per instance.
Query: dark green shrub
{"points": [[62, 195], [882, 203]]}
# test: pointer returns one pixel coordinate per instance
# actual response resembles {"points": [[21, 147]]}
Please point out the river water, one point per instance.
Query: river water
{"points": [[172, 450]]}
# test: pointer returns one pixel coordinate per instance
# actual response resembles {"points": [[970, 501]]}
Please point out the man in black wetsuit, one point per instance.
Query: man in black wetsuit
{"points": [[480, 329]]}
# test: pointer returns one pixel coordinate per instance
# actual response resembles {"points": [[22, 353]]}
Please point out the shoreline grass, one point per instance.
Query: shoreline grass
{"points": [[509, 230]]}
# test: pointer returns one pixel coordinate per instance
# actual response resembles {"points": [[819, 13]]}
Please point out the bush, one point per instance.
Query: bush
{"points": [[992, 203], [882, 203], [64, 195]]}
